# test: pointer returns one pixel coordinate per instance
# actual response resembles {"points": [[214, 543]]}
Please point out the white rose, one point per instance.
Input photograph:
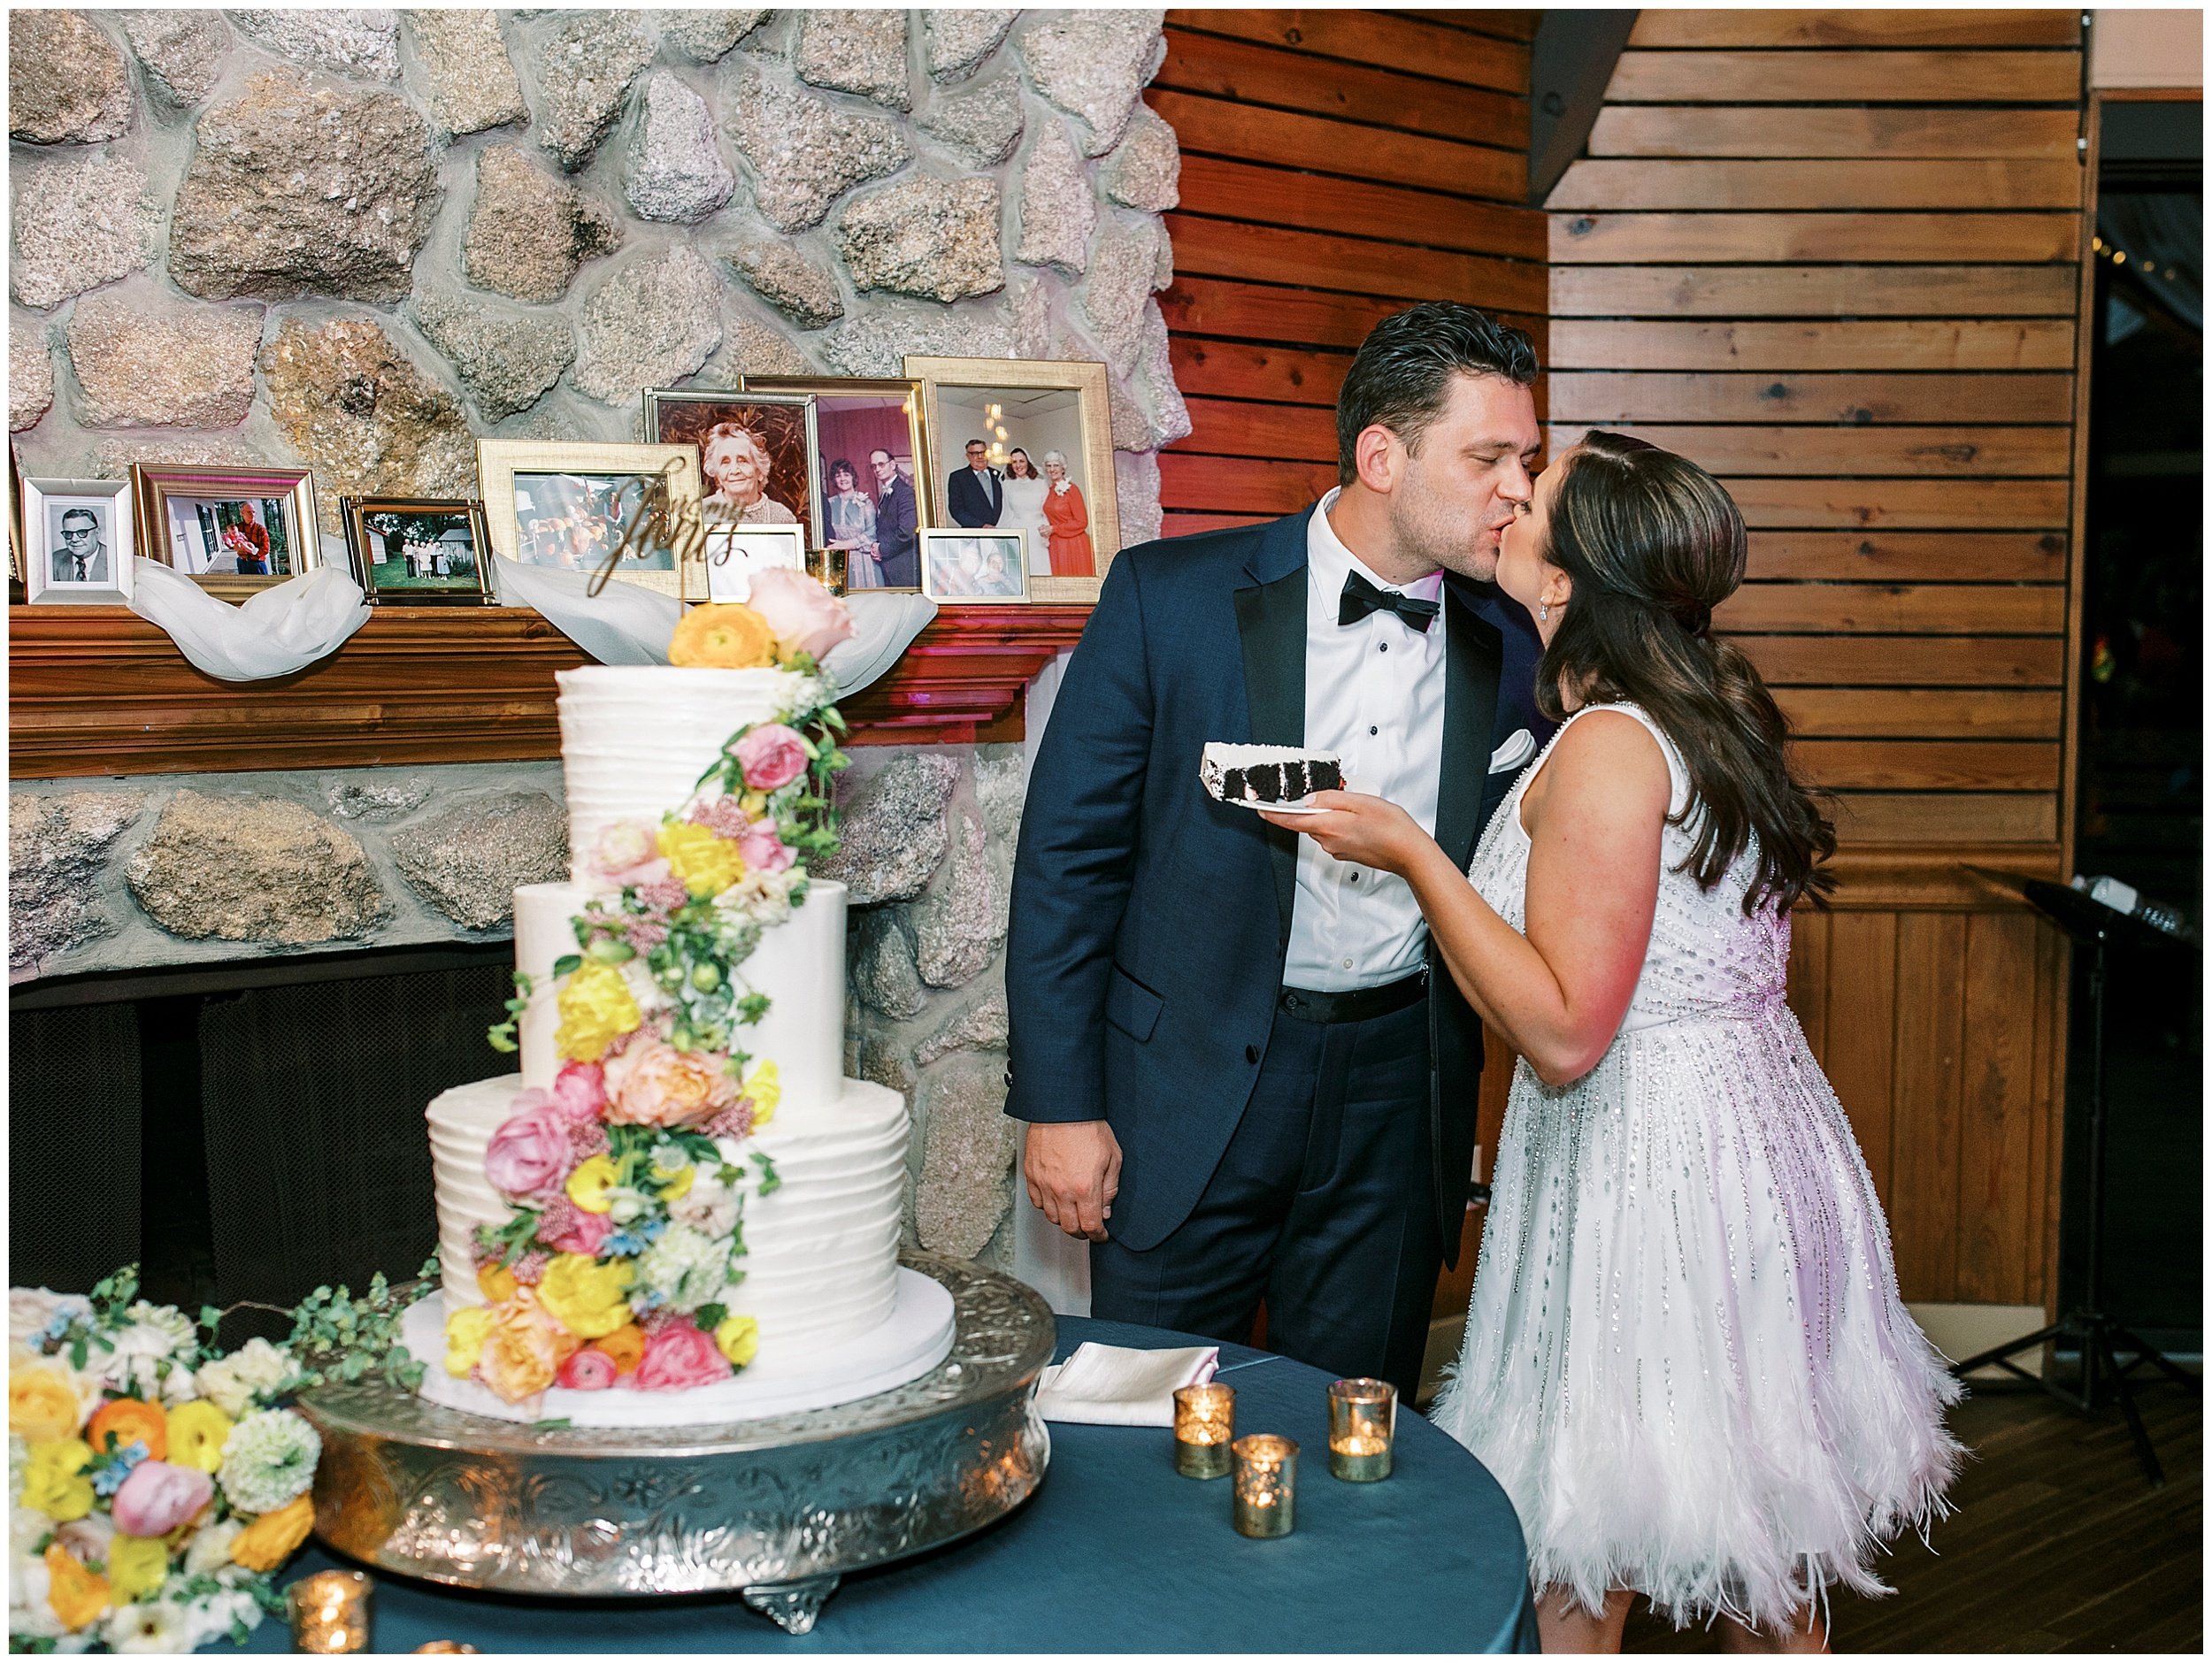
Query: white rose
{"points": [[266, 1368], [147, 1627], [31, 1309], [162, 1330], [26, 1527], [219, 1383], [28, 1613], [211, 1618], [210, 1549], [87, 1539], [707, 1207]]}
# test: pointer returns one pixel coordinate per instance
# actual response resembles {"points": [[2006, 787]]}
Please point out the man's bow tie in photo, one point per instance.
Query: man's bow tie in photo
{"points": [[1361, 597]]}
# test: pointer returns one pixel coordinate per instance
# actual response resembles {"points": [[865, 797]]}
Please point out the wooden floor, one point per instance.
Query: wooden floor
{"points": [[2057, 1544]]}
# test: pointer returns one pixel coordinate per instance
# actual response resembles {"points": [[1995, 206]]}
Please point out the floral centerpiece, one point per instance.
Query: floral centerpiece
{"points": [[628, 1179]]}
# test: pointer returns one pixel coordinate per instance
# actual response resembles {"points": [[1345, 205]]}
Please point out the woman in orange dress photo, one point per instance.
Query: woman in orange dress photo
{"points": [[1067, 521]]}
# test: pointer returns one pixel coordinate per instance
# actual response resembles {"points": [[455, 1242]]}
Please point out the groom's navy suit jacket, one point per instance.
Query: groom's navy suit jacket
{"points": [[1150, 923]]}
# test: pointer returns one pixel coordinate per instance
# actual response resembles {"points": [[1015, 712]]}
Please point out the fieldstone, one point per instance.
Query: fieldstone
{"points": [[1058, 211], [30, 373], [1120, 287], [883, 976], [932, 238], [982, 127], [1032, 312], [705, 37], [651, 325], [58, 849], [506, 360], [891, 831], [875, 1057], [968, 1159], [1167, 416], [375, 800], [111, 459], [80, 222], [805, 153], [1137, 496], [1143, 172], [363, 44], [961, 37], [297, 187], [255, 869], [981, 1026], [953, 935], [584, 72], [1002, 782], [674, 172], [1093, 64], [861, 50], [528, 234], [145, 360], [363, 417], [467, 860], [183, 51], [877, 342], [752, 348], [786, 279], [67, 82], [463, 60]]}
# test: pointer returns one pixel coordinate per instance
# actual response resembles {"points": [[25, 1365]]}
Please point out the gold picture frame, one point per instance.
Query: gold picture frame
{"points": [[189, 518], [589, 506], [1094, 427], [834, 420], [416, 586]]}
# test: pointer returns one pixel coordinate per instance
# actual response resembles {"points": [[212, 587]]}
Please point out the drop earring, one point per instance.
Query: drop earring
{"points": [[1543, 611]]}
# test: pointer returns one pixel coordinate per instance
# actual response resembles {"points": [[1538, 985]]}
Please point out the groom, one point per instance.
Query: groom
{"points": [[1244, 1080]]}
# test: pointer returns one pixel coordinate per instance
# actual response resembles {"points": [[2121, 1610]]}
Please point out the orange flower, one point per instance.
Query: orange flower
{"points": [[76, 1594], [127, 1421], [625, 1345], [525, 1349], [496, 1281], [269, 1540], [722, 638]]}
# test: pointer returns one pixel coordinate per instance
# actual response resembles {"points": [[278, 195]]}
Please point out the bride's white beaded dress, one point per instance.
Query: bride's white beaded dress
{"points": [[1687, 1361]]}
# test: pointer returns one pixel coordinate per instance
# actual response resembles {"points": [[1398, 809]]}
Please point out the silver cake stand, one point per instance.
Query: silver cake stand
{"points": [[774, 1510]]}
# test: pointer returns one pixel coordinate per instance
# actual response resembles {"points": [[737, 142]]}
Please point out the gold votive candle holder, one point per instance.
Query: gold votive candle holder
{"points": [[1205, 1426], [445, 1648], [1266, 1485], [828, 567], [330, 1612], [1363, 1427]]}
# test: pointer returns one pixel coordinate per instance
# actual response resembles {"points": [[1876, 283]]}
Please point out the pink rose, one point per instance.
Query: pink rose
{"points": [[771, 755], [528, 1154], [157, 1497], [764, 850], [578, 1089], [803, 616], [627, 852], [590, 1369], [584, 1236], [652, 1083], [678, 1357]]}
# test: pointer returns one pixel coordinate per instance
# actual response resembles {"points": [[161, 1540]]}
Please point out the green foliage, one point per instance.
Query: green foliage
{"points": [[501, 1036], [338, 1339]]}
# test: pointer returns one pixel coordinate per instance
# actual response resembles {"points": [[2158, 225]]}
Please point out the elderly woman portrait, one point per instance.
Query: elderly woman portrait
{"points": [[1067, 521], [737, 465]]}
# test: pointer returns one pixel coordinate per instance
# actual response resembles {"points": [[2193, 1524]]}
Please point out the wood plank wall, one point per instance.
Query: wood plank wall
{"points": [[1337, 165]]}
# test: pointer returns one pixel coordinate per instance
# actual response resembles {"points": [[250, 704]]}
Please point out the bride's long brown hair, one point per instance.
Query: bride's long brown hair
{"points": [[1654, 544]]}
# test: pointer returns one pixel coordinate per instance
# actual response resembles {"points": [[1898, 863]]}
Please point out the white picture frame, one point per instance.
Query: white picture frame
{"points": [[49, 545], [982, 566], [735, 553]]}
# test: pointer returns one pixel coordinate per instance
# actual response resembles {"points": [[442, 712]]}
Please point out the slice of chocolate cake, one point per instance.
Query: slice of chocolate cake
{"points": [[1267, 773]]}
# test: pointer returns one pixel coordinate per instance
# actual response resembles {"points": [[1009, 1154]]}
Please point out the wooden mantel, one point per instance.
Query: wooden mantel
{"points": [[98, 690]]}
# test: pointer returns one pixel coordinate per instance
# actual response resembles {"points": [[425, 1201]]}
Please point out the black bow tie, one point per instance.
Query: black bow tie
{"points": [[1361, 597]]}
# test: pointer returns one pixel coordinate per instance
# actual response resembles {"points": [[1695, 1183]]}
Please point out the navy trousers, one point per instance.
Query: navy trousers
{"points": [[1320, 1206]]}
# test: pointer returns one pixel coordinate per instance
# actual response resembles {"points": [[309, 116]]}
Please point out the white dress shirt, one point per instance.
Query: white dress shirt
{"points": [[1375, 697]]}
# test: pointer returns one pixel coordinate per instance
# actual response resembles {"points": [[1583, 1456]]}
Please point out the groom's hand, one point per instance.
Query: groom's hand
{"points": [[1073, 1171]]}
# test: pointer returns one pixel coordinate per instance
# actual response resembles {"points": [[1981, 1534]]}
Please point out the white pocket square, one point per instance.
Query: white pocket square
{"points": [[1513, 753]]}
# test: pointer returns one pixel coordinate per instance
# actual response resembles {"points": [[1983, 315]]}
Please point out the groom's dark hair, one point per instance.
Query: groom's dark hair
{"points": [[1403, 371]]}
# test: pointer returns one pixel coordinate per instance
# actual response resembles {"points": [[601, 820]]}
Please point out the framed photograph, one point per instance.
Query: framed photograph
{"points": [[975, 567], [81, 541], [15, 527], [755, 453], [735, 553], [1045, 466], [873, 493], [568, 505], [418, 549], [235, 530]]}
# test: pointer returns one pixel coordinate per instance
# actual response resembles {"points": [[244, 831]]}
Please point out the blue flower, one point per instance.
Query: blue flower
{"points": [[116, 1467], [623, 1243]]}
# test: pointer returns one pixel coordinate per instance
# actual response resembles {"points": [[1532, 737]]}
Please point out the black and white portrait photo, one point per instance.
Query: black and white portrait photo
{"points": [[79, 542]]}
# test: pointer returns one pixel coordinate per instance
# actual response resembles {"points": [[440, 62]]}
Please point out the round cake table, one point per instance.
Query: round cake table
{"points": [[1116, 1552]]}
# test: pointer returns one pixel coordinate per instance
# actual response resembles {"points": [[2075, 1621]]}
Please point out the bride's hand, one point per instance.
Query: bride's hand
{"points": [[1362, 830]]}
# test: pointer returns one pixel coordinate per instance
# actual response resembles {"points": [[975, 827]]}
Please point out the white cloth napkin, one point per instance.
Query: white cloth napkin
{"points": [[284, 628], [1113, 1385]]}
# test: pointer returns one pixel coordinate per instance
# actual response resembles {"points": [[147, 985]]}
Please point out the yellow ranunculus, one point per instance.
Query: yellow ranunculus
{"points": [[589, 1298], [136, 1565], [707, 864], [42, 1402], [722, 637], [53, 1480], [197, 1431], [496, 1282], [765, 1086], [465, 1331], [596, 1007], [589, 1184], [737, 1338], [76, 1594], [270, 1540]]}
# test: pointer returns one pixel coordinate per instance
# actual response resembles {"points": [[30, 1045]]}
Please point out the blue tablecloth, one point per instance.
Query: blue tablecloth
{"points": [[1115, 1551]]}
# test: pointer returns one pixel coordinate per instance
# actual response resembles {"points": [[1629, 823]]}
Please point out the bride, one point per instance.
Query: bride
{"points": [[1686, 1360]]}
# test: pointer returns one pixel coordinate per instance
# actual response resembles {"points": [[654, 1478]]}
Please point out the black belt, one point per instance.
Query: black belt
{"points": [[1358, 1005]]}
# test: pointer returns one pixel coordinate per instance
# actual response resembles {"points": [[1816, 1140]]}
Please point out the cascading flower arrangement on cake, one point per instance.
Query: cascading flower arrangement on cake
{"points": [[628, 1178]]}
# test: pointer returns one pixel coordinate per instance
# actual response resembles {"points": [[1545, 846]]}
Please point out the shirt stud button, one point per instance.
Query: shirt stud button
{"points": [[1372, 732], [1383, 646]]}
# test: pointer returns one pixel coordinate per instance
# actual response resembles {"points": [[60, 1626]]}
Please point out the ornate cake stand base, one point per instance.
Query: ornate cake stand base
{"points": [[774, 1510]]}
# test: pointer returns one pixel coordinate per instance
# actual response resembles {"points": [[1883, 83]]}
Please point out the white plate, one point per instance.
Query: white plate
{"points": [[1271, 808]]}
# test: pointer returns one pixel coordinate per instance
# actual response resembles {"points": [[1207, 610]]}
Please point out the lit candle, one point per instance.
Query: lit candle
{"points": [[1205, 1424], [330, 1611], [1363, 1421], [445, 1647], [1266, 1485]]}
